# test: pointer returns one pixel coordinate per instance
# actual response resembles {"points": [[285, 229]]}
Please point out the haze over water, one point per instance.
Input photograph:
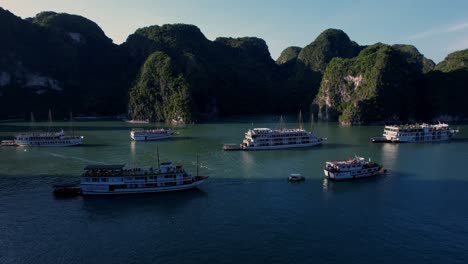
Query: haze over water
{"points": [[246, 212]]}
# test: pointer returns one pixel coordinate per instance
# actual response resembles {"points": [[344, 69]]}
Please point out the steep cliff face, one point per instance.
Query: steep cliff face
{"points": [[59, 61], [303, 78], [220, 73], [173, 72], [379, 84], [447, 88], [160, 94]]}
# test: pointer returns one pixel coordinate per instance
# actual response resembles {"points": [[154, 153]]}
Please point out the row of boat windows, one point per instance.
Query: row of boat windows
{"points": [[146, 185], [280, 139], [414, 134], [421, 130], [282, 135], [51, 142], [94, 179], [38, 138]]}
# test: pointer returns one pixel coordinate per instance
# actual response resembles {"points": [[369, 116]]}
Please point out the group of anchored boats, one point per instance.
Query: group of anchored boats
{"points": [[118, 179]]}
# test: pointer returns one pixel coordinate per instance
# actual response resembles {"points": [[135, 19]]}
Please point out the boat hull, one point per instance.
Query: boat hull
{"points": [[149, 138], [342, 176], [282, 146], [60, 143], [88, 189]]}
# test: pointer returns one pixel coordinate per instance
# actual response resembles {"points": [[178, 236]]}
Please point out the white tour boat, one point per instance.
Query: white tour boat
{"points": [[150, 134], [351, 169], [266, 138], [47, 139], [116, 179], [417, 133]]}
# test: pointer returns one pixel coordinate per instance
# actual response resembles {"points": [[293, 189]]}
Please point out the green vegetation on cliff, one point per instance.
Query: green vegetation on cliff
{"points": [[173, 72], [457, 60], [289, 55], [59, 61], [378, 84], [160, 94], [329, 44]]}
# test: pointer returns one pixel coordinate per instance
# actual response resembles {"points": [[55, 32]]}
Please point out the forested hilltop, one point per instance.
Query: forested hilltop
{"points": [[174, 73]]}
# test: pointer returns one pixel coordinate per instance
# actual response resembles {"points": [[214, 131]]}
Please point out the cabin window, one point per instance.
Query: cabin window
{"points": [[95, 180], [104, 179]]}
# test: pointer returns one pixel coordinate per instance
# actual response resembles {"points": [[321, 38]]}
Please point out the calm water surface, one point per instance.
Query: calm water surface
{"points": [[246, 212]]}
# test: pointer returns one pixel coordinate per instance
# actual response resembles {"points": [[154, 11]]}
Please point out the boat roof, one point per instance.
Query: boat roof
{"points": [[104, 167]]}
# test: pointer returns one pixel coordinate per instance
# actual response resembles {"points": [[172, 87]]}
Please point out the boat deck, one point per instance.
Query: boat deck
{"points": [[8, 143], [380, 140]]}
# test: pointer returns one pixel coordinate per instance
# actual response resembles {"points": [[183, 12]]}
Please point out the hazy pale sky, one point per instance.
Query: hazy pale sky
{"points": [[436, 28]]}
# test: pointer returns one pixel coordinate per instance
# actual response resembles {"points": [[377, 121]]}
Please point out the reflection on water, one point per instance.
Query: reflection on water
{"points": [[389, 155], [132, 148], [326, 184], [140, 204], [248, 163]]}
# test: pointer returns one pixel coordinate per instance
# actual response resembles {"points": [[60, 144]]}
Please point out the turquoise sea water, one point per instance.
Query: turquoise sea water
{"points": [[246, 212]]}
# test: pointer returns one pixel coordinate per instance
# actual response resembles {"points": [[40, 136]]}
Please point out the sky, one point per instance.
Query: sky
{"points": [[436, 28]]}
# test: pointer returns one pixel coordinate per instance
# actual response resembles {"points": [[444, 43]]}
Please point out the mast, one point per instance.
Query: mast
{"points": [[50, 120], [311, 121], [301, 126], [71, 124], [32, 121], [197, 165], [281, 122]]}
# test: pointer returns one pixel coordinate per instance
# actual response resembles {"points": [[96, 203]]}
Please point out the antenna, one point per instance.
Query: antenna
{"points": [[301, 126], [32, 121], [50, 120]]}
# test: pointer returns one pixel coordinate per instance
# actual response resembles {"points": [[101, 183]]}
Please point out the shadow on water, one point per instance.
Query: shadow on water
{"points": [[458, 140], [140, 203], [86, 145], [336, 145]]}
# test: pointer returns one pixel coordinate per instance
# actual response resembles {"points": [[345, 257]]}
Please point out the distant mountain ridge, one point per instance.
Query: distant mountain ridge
{"points": [[174, 73]]}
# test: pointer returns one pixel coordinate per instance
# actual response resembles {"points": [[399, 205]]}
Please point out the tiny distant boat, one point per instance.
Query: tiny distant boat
{"points": [[296, 177], [146, 121], [416, 133], [150, 134], [353, 168], [47, 139], [8, 143]]}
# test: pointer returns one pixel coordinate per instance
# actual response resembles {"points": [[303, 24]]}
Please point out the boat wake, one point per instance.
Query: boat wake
{"points": [[75, 158]]}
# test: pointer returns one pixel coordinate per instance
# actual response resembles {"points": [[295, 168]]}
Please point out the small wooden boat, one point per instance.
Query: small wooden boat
{"points": [[296, 177]]}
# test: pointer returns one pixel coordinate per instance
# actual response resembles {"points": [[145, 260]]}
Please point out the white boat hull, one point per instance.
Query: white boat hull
{"points": [[347, 175], [149, 137], [282, 146], [93, 189], [57, 143]]}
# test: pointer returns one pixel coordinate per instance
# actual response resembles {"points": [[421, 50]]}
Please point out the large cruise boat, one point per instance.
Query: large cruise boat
{"points": [[353, 168], [266, 138], [116, 179], [47, 139], [150, 134], [417, 133]]}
